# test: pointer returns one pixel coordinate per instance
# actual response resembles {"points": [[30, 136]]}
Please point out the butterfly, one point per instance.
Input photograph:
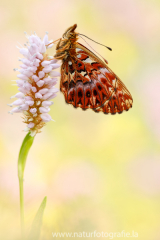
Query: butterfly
{"points": [[86, 80]]}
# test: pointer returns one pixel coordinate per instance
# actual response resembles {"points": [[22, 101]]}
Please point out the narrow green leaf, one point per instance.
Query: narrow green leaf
{"points": [[37, 222], [27, 143]]}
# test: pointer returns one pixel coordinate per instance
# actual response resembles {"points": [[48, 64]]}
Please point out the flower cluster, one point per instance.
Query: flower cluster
{"points": [[36, 83]]}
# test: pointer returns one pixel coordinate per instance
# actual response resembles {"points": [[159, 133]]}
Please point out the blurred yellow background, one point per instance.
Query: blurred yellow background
{"points": [[99, 172]]}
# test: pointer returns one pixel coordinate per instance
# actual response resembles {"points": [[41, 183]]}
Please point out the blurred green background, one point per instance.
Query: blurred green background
{"points": [[99, 172]]}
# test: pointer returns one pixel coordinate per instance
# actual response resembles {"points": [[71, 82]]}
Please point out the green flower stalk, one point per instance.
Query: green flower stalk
{"points": [[35, 83], [26, 145]]}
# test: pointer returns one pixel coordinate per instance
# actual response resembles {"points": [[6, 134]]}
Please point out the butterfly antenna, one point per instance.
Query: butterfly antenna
{"points": [[96, 42], [95, 50]]}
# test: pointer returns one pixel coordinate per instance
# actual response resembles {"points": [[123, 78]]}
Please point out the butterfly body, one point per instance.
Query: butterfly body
{"points": [[86, 80]]}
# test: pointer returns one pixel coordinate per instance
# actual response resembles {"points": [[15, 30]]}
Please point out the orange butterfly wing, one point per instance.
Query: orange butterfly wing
{"points": [[87, 82]]}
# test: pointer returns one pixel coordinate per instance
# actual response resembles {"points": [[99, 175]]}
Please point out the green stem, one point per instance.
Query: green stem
{"points": [[26, 145], [21, 206]]}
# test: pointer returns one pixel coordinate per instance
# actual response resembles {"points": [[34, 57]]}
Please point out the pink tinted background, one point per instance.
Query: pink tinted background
{"points": [[99, 172]]}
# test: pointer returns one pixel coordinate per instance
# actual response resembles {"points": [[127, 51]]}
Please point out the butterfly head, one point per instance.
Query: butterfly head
{"points": [[66, 42], [70, 33]]}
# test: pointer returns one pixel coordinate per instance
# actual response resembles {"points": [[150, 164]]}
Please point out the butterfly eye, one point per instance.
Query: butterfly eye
{"points": [[79, 64]]}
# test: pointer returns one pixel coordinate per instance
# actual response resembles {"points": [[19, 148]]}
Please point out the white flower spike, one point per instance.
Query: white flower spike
{"points": [[36, 83]]}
